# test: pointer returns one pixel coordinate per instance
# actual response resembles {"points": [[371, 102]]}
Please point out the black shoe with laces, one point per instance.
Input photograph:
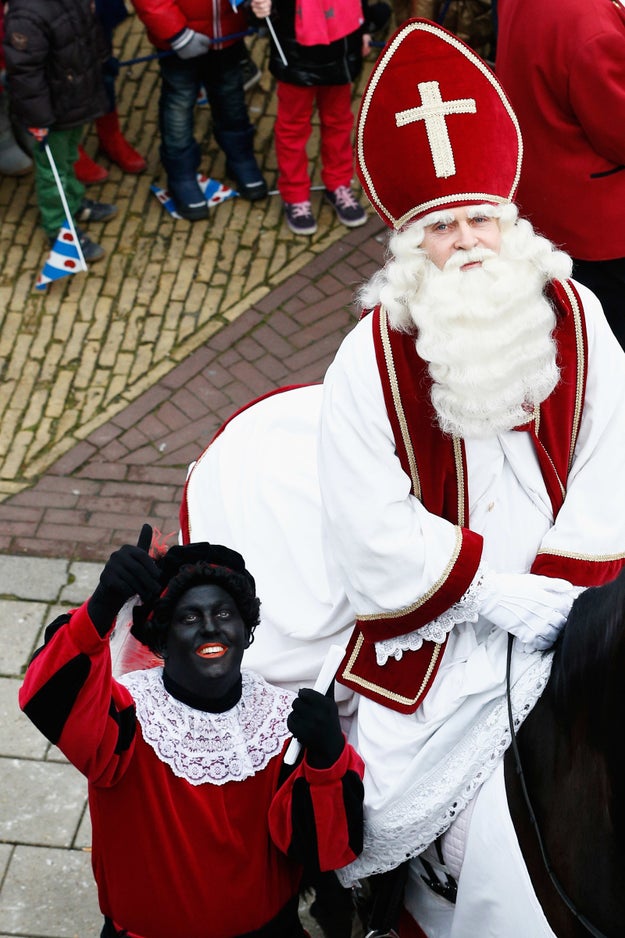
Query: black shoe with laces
{"points": [[348, 210], [299, 217]]}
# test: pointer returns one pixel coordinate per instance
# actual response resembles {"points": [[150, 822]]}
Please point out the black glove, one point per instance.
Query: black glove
{"points": [[314, 721], [129, 571]]}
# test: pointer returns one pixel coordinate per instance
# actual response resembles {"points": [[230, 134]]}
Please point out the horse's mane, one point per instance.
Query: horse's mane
{"points": [[588, 681], [586, 692]]}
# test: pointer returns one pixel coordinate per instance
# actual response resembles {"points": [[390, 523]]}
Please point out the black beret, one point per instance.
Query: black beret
{"points": [[182, 555]]}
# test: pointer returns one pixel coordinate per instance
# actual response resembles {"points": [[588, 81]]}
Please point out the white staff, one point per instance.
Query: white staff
{"points": [[262, 9], [328, 671]]}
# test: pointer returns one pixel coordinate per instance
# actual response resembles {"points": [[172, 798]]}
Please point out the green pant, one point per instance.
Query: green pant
{"points": [[64, 147]]}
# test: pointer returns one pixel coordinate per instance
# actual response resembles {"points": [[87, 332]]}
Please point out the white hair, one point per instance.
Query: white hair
{"points": [[397, 284], [486, 332]]}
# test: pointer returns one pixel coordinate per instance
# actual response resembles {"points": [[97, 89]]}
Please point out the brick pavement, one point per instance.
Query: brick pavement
{"points": [[132, 467], [111, 381]]}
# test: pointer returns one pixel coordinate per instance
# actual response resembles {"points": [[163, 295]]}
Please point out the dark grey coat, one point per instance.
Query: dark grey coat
{"points": [[54, 52]]}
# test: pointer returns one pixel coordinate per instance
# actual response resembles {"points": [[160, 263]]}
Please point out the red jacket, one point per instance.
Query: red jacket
{"points": [[164, 19], [563, 67]]}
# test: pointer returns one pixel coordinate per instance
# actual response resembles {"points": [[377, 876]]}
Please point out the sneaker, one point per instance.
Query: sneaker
{"points": [[251, 73], [90, 250], [299, 217], [95, 211], [348, 210]]}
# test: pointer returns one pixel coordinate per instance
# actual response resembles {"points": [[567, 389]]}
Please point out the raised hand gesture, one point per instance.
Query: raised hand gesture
{"points": [[130, 571]]}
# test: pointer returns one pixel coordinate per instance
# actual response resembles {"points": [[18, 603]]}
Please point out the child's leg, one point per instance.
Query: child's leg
{"points": [[180, 153], [231, 123], [179, 88], [223, 80], [64, 147], [292, 131], [334, 103]]}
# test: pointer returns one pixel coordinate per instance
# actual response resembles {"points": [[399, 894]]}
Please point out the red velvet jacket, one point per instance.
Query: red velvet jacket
{"points": [[174, 859], [563, 67]]}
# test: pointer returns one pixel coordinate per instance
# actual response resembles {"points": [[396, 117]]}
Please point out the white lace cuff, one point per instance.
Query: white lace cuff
{"points": [[465, 610]]}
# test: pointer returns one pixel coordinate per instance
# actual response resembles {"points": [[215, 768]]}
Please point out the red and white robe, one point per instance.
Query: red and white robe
{"points": [[344, 534]]}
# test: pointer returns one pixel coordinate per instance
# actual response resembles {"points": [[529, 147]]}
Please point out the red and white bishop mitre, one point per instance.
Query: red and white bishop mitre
{"points": [[435, 128]]}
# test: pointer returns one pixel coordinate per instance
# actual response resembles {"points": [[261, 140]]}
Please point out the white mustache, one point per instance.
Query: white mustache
{"points": [[475, 255]]}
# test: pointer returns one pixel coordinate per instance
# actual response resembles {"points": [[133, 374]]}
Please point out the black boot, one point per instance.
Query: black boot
{"points": [[241, 163], [189, 200]]}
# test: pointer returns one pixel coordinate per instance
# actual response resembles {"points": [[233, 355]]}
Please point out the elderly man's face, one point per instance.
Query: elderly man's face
{"points": [[206, 641], [461, 230]]}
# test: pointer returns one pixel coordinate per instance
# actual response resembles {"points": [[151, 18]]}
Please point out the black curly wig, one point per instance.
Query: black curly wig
{"points": [[192, 565]]}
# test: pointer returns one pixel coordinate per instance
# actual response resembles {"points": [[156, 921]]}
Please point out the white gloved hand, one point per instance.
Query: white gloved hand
{"points": [[531, 607], [189, 44]]}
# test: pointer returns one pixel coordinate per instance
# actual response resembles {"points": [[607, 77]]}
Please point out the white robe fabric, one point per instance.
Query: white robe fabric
{"points": [[256, 490], [496, 898], [495, 893], [327, 537]]}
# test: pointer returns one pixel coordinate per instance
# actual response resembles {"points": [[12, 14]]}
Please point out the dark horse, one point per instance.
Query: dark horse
{"points": [[572, 759]]}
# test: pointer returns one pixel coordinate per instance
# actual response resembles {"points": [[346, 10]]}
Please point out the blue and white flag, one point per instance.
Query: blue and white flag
{"points": [[214, 193], [66, 256], [64, 259]]}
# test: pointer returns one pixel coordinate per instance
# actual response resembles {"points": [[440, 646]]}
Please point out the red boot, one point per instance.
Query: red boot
{"points": [[87, 171], [115, 146]]}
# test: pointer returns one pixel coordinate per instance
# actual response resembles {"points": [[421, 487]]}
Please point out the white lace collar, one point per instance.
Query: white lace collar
{"points": [[212, 748]]}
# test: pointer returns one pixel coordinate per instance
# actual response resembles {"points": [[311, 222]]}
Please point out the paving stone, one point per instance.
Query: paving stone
{"points": [[18, 737], [51, 893], [40, 802], [83, 836], [83, 579], [30, 578], [5, 856], [20, 626]]}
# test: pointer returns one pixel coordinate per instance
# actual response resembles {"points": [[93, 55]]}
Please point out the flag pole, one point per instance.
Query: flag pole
{"points": [[276, 41], [68, 214]]}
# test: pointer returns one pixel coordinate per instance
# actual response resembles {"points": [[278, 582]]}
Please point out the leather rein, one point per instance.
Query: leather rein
{"points": [[590, 928]]}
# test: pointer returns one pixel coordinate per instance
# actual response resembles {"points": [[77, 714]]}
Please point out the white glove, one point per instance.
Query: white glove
{"points": [[533, 608], [189, 44]]}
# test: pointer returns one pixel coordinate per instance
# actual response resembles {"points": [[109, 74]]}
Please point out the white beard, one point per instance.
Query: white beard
{"points": [[486, 334]]}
